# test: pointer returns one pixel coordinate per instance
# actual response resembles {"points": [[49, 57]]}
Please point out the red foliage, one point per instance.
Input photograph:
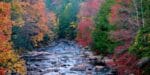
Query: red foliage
{"points": [[2, 71], [5, 26], [88, 10], [121, 35], [40, 6], [84, 34], [5, 30], [114, 13], [126, 64]]}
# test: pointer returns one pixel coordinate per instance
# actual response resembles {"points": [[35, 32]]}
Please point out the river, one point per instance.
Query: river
{"points": [[63, 57]]}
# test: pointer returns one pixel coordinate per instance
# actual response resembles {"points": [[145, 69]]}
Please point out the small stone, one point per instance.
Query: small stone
{"points": [[98, 68], [80, 67], [63, 65]]}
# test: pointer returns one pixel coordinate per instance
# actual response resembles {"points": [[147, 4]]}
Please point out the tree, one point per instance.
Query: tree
{"points": [[100, 35], [8, 59], [29, 27], [141, 45], [88, 10], [21, 41], [68, 16], [65, 11]]}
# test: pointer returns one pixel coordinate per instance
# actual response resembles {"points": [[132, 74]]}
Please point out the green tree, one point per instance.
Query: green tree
{"points": [[141, 44], [6, 0], [101, 40], [66, 11], [65, 19], [20, 40]]}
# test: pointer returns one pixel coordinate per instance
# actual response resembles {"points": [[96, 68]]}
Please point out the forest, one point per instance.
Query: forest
{"points": [[74, 37]]}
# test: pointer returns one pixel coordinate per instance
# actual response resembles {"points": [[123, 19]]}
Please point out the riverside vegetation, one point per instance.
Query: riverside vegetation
{"points": [[74, 37]]}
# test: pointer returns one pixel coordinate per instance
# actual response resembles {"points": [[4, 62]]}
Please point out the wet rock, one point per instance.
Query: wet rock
{"points": [[109, 62], [35, 56], [88, 53], [96, 60], [64, 65], [142, 62], [92, 59], [82, 55], [98, 68], [38, 53], [50, 70], [80, 67]]}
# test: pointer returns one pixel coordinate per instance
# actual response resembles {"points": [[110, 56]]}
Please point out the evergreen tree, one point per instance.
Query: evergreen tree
{"points": [[101, 40]]}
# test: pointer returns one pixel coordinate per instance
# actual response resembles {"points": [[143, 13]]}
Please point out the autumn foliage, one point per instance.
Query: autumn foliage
{"points": [[35, 26], [88, 10], [85, 28], [12, 60], [109, 27], [119, 17], [5, 22], [126, 64]]}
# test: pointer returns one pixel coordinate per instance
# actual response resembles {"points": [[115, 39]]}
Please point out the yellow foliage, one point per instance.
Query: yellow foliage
{"points": [[73, 25], [12, 62], [37, 38], [8, 59], [53, 18], [18, 12], [16, 6]]}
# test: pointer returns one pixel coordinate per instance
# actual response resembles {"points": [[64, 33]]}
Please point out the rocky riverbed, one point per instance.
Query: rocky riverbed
{"points": [[65, 57]]}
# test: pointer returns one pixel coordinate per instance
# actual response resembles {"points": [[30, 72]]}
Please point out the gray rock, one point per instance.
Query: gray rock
{"points": [[142, 62], [80, 67], [98, 68]]}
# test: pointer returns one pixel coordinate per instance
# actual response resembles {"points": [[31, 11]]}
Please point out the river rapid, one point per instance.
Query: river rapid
{"points": [[64, 57]]}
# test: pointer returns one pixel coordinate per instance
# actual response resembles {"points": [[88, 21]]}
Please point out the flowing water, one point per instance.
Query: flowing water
{"points": [[61, 58]]}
